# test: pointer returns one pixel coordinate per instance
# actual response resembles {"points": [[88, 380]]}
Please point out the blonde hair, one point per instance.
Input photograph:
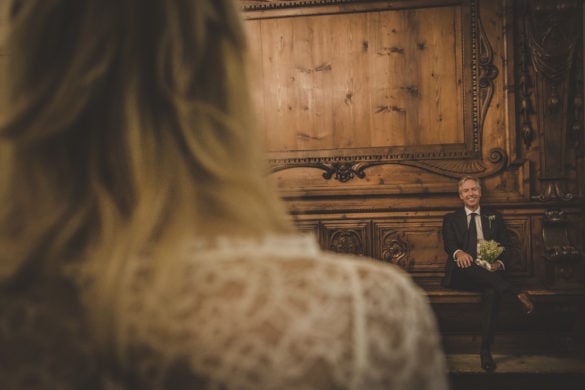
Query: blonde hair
{"points": [[127, 124]]}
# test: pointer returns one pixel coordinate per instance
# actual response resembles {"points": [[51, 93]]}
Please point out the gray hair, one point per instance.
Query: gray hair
{"points": [[466, 178]]}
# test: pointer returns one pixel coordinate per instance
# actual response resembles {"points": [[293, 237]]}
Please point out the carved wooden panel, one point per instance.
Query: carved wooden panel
{"points": [[415, 244], [550, 82], [351, 237], [519, 229], [346, 88]]}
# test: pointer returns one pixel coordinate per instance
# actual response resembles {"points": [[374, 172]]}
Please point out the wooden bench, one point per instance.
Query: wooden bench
{"points": [[558, 324]]}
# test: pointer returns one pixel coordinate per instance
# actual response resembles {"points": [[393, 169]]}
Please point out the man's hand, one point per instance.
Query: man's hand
{"points": [[463, 259]]}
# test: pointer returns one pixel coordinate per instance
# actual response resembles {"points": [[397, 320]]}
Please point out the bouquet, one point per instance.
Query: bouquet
{"points": [[488, 251]]}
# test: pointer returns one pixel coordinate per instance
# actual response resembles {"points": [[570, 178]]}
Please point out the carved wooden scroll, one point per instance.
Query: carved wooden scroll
{"points": [[551, 89], [343, 86]]}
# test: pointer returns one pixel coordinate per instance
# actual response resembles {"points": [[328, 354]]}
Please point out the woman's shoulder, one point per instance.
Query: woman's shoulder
{"points": [[270, 310]]}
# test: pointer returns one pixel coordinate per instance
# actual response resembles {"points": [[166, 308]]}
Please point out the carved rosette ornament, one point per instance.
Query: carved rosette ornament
{"points": [[395, 250], [346, 241]]}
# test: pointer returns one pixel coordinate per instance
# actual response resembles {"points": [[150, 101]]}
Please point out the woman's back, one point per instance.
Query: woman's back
{"points": [[241, 313], [126, 136]]}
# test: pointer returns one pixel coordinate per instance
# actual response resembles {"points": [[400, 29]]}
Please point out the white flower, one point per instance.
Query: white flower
{"points": [[491, 218], [489, 250]]}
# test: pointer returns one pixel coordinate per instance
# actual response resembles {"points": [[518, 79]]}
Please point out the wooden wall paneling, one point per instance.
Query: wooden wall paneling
{"points": [[362, 80], [562, 253], [519, 228], [373, 109], [347, 236], [309, 228], [413, 243], [380, 84], [372, 122], [550, 46], [3, 28]]}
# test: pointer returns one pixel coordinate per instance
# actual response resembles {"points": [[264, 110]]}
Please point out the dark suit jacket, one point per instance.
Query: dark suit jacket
{"points": [[455, 235]]}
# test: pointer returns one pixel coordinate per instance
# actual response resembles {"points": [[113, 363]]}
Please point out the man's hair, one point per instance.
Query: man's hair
{"points": [[467, 178]]}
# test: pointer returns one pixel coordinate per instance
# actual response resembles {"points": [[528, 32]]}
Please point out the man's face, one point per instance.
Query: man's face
{"points": [[470, 194]]}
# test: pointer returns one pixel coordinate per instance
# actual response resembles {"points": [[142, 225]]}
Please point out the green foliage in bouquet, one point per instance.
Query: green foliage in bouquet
{"points": [[489, 250]]}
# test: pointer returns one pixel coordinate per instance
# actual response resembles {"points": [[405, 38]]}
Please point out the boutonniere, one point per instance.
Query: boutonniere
{"points": [[491, 218]]}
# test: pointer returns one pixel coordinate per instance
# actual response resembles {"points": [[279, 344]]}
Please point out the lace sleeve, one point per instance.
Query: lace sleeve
{"points": [[275, 321]]}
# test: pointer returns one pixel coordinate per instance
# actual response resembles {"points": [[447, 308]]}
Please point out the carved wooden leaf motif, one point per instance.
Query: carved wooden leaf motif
{"points": [[395, 250]]}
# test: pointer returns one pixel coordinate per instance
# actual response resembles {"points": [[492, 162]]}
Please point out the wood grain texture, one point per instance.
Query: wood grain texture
{"points": [[370, 79]]}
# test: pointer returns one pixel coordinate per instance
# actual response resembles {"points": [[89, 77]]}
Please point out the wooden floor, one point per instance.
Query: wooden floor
{"points": [[518, 364], [534, 368], [510, 381], [518, 372]]}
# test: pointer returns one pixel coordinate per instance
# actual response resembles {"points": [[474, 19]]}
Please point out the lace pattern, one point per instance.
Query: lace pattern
{"points": [[237, 314], [281, 314]]}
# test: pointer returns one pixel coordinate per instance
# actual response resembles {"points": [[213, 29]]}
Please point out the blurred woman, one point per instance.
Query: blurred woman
{"points": [[142, 246]]}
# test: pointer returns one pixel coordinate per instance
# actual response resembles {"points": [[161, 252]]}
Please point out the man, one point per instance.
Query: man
{"points": [[461, 231]]}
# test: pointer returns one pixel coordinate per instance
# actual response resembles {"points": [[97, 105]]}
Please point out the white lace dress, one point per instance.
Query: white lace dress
{"points": [[277, 314]]}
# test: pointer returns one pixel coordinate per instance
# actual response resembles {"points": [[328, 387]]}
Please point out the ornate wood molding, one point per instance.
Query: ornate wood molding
{"points": [[551, 190], [255, 5], [551, 65], [561, 256], [557, 246], [347, 170], [486, 71], [525, 89]]}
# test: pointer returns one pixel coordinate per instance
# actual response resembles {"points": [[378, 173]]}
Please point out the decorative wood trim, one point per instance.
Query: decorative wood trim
{"points": [[557, 246], [345, 171], [551, 40], [488, 72], [526, 128], [260, 5]]}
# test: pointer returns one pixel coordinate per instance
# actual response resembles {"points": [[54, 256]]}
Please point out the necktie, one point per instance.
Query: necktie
{"points": [[472, 237]]}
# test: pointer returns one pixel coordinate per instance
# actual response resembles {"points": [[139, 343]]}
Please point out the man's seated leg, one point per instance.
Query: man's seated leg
{"points": [[490, 309]]}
